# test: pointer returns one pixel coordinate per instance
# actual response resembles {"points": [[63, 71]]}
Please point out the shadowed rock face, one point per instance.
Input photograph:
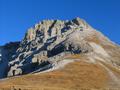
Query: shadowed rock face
{"points": [[6, 53], [48, 44]]}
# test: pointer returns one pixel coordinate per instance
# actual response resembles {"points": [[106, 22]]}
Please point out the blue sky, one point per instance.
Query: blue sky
{"points": [[16, 16]]}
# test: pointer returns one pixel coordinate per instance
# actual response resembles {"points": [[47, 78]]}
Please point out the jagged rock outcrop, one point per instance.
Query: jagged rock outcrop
{"points": [[50, 38]]}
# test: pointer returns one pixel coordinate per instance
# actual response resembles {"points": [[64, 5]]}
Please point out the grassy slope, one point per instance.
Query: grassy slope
{"points": [[72, 77]]}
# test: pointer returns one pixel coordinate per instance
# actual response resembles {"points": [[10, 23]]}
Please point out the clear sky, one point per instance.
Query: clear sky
{"points": [[16, 16]]}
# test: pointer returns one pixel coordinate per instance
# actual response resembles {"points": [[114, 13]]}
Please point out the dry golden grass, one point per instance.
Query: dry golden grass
{"points": [[113, 69], [97, 40], [78, 75]]}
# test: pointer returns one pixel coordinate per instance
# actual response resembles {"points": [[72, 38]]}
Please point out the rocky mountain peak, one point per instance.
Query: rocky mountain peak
{"points": [[67, 52], [51, 38], [50, 41], [51, 28]]}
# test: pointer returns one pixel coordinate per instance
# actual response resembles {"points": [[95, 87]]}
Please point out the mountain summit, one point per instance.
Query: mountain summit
{"points": [[57, 52]]}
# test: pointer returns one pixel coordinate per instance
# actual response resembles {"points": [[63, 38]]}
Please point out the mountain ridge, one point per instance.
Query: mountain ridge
{"points": [[52, 45]]}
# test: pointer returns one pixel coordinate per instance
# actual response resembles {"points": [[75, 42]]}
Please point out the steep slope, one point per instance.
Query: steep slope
{"points": [[63, 55]]}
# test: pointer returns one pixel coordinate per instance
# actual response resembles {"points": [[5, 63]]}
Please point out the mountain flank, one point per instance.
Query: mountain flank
{"points": [[60, 55]]}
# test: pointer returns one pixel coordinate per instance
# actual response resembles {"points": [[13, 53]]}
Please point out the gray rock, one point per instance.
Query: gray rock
{"points": [[14, 71]]}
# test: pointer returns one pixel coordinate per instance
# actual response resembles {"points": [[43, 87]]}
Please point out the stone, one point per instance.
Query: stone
{"points": [[14, 71], [30, 35], [39, 57]]}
